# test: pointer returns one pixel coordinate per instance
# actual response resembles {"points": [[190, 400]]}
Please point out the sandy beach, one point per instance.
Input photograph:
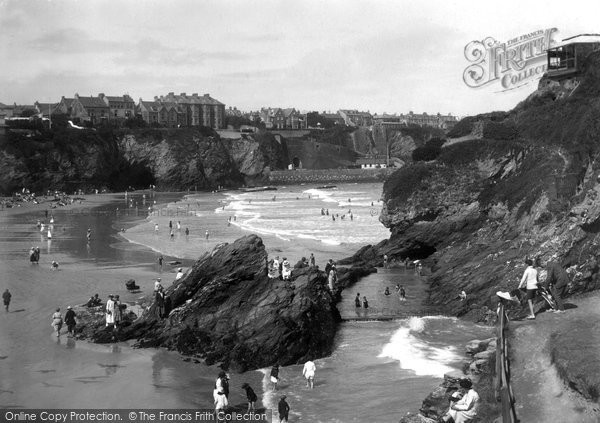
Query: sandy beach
{"points": [[37, 369]]}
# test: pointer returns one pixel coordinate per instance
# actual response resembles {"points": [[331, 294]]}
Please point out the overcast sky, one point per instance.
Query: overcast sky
{"points": [[381, 56]]}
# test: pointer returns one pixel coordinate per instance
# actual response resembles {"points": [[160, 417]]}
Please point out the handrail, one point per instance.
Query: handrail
{"points": [[504, 392]]}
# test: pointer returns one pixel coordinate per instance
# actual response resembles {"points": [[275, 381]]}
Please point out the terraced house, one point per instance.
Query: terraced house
{"points": [[89, 109], [121, 107], [183, 110]]}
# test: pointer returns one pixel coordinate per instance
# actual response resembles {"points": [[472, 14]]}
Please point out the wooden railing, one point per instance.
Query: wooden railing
{"points": [[504, 392]]}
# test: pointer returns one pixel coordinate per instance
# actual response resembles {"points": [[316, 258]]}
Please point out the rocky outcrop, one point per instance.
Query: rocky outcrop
{"points": [[226, 310]]}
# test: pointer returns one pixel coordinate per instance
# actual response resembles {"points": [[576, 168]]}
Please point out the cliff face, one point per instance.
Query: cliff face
{"points": [[227, 310], [178, 159], [529, 187]]}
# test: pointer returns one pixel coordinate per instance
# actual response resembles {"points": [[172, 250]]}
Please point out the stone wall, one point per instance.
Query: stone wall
{"points": [[328, 175]]}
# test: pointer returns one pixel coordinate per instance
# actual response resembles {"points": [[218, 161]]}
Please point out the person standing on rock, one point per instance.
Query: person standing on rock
{"points": [[365, 303], [311, 260], [309, 373], [110, 311], [160, 302], [530, 281], [328, 266], [332, 278], [70, 321], [118, 312], [160, 263], [6, 296], [402, 293], [275, 375], [385, 261]]}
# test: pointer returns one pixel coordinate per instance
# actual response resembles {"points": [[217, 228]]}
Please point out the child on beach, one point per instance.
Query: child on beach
{"points": [[284, 409], [250, 396]]}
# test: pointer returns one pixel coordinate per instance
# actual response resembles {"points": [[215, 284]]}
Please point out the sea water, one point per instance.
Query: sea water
{"points": [[378, 371]]}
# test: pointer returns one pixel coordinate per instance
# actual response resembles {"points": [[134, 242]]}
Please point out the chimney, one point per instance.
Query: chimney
{"points": [[156, 98], [101, 95], [171, 94], [195, 95], [182, 95], [207, 95]]}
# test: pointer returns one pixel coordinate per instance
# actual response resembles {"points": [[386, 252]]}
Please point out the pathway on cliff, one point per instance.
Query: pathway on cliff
{"points": [[536, 349]]}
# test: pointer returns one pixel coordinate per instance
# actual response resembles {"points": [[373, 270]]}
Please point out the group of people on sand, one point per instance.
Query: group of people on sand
{"points": [[221, 390], [34, 254], [69, 320]]}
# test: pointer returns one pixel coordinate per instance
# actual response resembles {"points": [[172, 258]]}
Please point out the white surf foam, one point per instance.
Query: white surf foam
{"points": [[417, 355], [268, 398]]}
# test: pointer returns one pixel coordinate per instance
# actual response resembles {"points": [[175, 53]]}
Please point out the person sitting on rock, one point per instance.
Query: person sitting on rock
{"points": [[286, 269], [465, 409]]}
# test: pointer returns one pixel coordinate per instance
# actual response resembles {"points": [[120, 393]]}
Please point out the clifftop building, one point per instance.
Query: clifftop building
{"points": [[356, 118], [183, 110], [436, 121], [566, 59]]}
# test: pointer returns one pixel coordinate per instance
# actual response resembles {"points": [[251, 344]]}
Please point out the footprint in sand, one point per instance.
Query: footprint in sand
{"points": [[45, 371], [2, 357], [109, 365], [2, 391]]}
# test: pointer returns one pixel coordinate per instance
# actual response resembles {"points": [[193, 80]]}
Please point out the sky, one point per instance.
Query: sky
{"points": [[324, 55]]}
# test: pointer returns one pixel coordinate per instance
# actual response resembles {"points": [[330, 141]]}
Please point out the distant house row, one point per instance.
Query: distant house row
{"points": [[277, 118], [170, 110], [436, 121]]}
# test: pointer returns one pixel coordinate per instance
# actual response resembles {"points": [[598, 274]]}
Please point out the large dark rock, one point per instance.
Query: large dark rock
{"points": [[227, 310]]}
